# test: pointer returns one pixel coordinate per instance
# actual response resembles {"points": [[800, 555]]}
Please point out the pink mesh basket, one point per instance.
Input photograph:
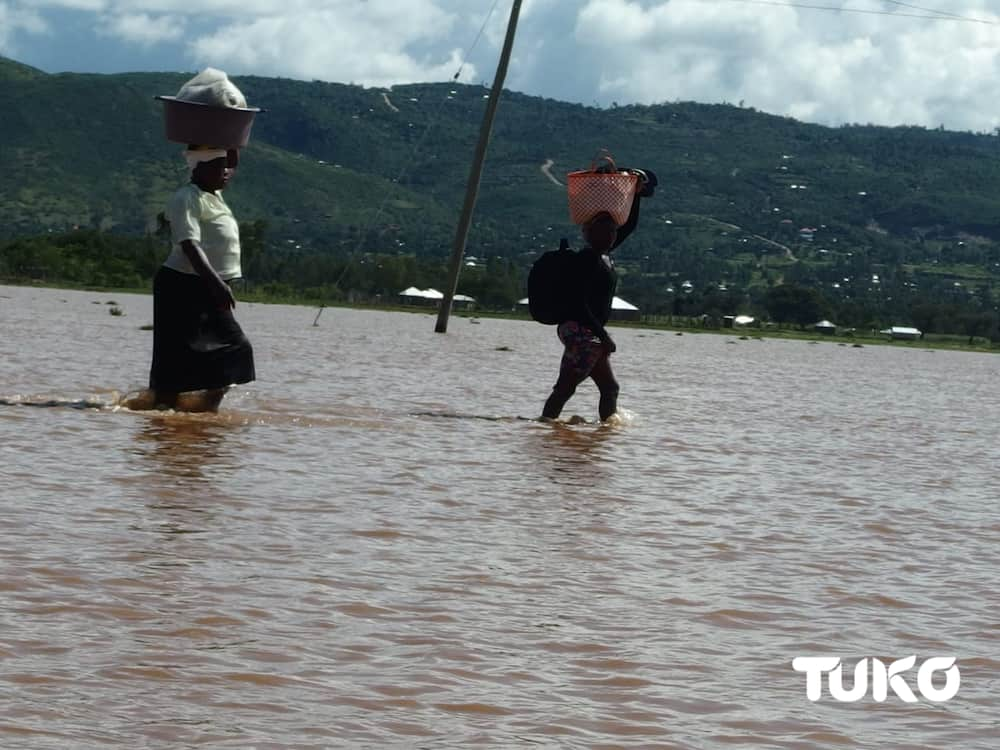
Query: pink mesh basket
{"points": [[592, 192]]}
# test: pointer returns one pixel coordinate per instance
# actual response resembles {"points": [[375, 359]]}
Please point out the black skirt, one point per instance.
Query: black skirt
{"points": [[195, 344]]}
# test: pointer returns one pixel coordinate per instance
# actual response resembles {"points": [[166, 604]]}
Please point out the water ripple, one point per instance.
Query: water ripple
{"points": [[376, 545]]}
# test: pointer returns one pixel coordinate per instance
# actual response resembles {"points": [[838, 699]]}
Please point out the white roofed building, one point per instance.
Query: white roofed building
{"points": [[432, 298], [620, 309], [826, 327], [903, 333]]}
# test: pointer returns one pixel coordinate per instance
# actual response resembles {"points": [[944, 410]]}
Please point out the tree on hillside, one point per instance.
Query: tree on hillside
{"points": [[791, 303], [980, 324], [934, 317]]}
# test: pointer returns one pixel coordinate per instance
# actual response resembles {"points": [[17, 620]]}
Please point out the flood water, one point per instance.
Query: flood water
{"points": [[368, 549]]}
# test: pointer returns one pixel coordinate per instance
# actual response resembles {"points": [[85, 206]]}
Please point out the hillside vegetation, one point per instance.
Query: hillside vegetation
{"points": [[883, 225]]}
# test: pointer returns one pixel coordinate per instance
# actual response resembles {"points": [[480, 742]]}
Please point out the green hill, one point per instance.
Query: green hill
{"points": [[11, 70], [875, 218]]}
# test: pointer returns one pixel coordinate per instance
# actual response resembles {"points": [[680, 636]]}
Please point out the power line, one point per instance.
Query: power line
{"points": [[475, 41], [942, 13], [389, 194], [928, 15]]}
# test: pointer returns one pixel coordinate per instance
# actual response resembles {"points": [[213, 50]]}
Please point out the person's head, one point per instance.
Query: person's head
{"points": [[211, 168], [600, 232]]}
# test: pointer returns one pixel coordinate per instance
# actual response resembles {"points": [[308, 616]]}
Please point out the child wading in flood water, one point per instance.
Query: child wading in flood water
{"points": [[591, 285]]}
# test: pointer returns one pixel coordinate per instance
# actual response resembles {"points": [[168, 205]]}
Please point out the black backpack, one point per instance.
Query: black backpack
{"points": [[549, 294]]}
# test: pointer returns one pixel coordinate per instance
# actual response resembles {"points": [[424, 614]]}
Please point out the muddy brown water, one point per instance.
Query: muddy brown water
{"points": [[375, 546]]}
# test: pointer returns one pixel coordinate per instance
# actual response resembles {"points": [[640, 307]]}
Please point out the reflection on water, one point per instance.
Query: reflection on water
{"points": [[375, 545], [187, 447], [573, 455]]}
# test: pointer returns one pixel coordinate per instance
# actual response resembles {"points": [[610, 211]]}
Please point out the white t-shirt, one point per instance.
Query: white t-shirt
{"points": [[206, 219]]}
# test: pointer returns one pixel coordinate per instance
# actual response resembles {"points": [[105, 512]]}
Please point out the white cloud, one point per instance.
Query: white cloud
{"points": [[373, 42], [15, 20], [143, 29], [823, 66], [91, 5]]}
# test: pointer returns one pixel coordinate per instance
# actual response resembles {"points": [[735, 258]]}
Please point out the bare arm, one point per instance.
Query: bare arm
{"points": [[602, 333], [590, 320], [633, 218], [218, 288]]}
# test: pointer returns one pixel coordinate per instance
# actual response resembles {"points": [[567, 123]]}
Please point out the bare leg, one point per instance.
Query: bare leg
{"points": [[189, 401], [150, 399], [214, 398], [200, 401], [606, 383], [563, 390]]}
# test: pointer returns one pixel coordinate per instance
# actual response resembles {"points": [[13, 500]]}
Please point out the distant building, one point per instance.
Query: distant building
{"points": [[737, 321], [903, 333], [413, 296], [432, 298], [620, 309]]}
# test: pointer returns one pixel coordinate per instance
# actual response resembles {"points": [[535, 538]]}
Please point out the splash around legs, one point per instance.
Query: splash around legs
{"points": [[188, 401]]}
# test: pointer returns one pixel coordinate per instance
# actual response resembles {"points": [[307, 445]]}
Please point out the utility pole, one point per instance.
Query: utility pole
{"points": [[476, 174]]}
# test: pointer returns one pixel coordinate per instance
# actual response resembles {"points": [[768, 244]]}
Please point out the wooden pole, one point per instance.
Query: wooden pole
{"points": [[476, 174]]}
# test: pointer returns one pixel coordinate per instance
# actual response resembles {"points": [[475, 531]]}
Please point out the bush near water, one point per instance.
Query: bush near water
{"points": [[352, 194]]}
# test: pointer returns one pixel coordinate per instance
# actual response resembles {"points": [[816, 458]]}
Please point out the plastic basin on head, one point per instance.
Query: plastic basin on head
{"points": [[203, 124]]}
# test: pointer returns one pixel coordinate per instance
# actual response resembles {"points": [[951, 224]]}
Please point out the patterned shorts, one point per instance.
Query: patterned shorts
{"points": [[583, 349]]}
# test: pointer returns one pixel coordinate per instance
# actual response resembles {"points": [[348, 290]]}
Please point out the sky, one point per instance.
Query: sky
{"points": [[923, 62]]}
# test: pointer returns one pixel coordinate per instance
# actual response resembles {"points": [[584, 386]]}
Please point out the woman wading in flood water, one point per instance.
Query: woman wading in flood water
{"points": [[199, 350]]}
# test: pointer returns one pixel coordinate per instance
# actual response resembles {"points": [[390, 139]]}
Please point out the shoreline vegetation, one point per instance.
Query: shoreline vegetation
{"points": [[679, 325], [951, 313]]}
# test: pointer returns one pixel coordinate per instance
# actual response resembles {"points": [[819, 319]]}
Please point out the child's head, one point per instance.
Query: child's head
{"points": [[600, 232]]}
